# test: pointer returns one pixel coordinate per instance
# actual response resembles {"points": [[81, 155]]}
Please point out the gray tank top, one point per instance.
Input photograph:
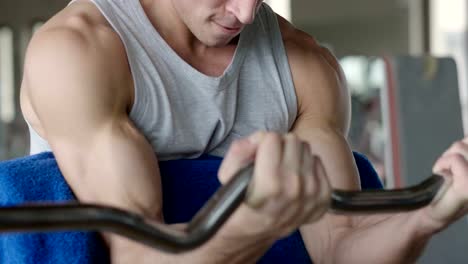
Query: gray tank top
{"points": [[184, 113]]}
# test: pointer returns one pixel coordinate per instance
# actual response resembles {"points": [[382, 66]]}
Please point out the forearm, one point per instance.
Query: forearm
{"points": [[230, 245], [389, 239]]}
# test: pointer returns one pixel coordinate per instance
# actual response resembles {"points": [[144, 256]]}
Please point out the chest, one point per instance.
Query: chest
{"points": [[209, 61], [185, 119]]}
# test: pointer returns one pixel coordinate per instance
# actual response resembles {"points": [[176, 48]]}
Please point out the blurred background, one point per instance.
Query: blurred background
{"points": [[406, 66]]}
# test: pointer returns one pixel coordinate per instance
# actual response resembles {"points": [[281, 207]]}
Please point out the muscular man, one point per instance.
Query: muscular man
{"points": [[113, 86]]}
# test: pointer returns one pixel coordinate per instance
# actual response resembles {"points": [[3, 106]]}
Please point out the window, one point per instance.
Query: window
{"points": [[7, 78], [448, 38], [282, 7]]}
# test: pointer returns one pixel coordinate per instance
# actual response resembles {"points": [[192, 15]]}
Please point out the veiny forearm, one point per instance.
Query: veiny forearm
{"points": [[383, 239]]}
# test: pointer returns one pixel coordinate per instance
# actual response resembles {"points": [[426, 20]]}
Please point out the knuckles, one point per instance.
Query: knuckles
{"points": [[238, 146], [293, 186], [459, 146]]}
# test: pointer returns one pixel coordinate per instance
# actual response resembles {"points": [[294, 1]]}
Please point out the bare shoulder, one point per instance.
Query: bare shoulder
{"points": [[80, 28], [76, 54], [303, 48], [318, 78]]}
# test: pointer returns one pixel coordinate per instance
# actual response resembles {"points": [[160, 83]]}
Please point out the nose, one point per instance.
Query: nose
{"points": [[243, 10]]}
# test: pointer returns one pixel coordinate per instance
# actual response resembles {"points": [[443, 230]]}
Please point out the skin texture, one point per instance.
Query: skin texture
{"points": [[81, 108]]}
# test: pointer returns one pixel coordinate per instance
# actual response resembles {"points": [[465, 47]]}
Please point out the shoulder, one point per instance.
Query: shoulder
{"points": [[302, 48], [318, 78], [81, 22], [76, 53], [79, 33]]}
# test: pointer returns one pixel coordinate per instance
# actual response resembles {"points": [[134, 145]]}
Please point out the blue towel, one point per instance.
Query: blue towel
{"points": [[187, 185]]}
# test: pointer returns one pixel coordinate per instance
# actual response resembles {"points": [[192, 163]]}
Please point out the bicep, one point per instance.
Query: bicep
{"points": [[323, 97], [323, 115], [323, 121], [101, 154]]}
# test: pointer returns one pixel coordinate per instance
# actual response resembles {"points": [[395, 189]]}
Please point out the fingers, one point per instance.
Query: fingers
{"points": [[293, 178], [265, 183], [323, 196], [450, 164], [453, 158], [278, 173], [290, 184], [454, 166], [460, 147], [294, 152], [455, 169], [241, 153], [316, 188], [452, 197], [289, 187]]}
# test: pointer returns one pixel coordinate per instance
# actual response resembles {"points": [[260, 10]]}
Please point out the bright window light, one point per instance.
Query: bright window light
{"points": [[449, 38], [7, 78], [282, 7]]}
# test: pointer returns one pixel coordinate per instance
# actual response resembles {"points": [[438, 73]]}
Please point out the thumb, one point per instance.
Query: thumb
{"points": [[445, 204], [448, 203]]}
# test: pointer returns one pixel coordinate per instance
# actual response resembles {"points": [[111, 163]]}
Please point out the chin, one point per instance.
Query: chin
{"points": [[219, 42], [215, 43], [215, 40]]}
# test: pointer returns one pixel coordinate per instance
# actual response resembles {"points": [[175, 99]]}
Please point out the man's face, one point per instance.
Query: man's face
{"points": [[216, 22]]}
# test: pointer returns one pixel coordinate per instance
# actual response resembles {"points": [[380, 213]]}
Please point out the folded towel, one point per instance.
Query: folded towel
{"points": [[187, 185], [37, 178]]}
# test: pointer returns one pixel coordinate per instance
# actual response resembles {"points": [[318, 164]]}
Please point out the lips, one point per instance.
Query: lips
{"points": [[230, 29]]}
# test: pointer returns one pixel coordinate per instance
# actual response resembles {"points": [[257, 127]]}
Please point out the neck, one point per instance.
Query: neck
{"points": [[172, 29], [209, 60]]}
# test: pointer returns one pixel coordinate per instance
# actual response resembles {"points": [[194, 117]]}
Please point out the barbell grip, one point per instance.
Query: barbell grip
{"points": [[88, 217]]}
